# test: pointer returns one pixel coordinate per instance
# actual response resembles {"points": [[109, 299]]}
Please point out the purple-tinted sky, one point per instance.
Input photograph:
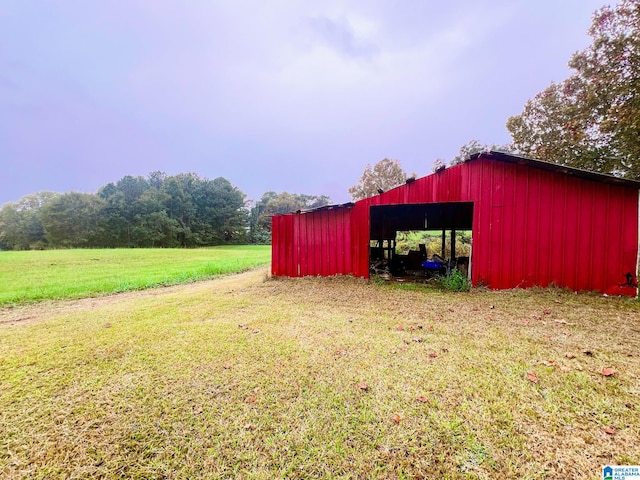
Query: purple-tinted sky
{"points": [[273, 95]]}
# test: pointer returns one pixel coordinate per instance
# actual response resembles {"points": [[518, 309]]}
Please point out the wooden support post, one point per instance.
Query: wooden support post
{"points": [[453, 245]]}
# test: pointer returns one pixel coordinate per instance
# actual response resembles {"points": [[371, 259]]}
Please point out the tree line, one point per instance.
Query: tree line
{"points": [[183, 210]]}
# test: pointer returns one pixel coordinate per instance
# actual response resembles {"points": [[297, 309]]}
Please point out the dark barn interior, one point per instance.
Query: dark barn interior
{"points": [[387, 220]]}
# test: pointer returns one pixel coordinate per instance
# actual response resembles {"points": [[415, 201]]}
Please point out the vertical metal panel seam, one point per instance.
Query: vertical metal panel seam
{"points": [[512, 221], [563, 239], [592, 233], [501, 232], [606, 272], [638, 244], [525, 249], [551, 251]]}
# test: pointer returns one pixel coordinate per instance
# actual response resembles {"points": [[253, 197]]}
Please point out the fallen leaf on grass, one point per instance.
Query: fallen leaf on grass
{"points": [[243, 327], [197, 410], [396, 418], [549, 363], [570, 356], [249, 426], [341, 352], [433, 355], [403, 347], [256, 331], [532, 377], [416, 339], [578, 367], [251, 399], [588, 353], [422, 399], [609, 431], [363, 386], [226, 366], [607, 372], [106, 325], [564, 322], [399, 328]]}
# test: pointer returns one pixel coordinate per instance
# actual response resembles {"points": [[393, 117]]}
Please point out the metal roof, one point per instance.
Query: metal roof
{"points": [[555, 167], [521, 160]]}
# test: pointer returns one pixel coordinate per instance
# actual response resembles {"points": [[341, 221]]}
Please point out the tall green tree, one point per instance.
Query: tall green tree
{"points": [[221, 212], [384, 175], [122, 210], [20, 222], [74, 220], [591, 120], [152, 226]]}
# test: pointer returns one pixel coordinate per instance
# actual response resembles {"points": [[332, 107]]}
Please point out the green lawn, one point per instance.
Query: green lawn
{"points": [[59, 274]]}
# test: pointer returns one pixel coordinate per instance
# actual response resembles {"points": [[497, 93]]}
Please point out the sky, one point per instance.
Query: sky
{"points": [[273, 95]]}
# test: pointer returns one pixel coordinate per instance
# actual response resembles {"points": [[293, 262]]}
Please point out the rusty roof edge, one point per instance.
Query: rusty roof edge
{"points": [[316, 209], [327, 207], [554, 167]]}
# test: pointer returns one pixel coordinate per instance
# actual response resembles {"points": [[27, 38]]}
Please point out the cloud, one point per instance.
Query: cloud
{"points": [[340, 36]]}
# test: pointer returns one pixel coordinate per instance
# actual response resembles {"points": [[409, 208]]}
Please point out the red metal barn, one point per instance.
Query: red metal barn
{"points": [[532, 223]]}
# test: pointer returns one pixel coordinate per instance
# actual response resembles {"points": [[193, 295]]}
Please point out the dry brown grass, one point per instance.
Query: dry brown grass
{"points": [[246, 378]]}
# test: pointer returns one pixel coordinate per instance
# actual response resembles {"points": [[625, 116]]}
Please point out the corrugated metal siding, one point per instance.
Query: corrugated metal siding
{"points": [[530, 227], [534, 227], [312, 243]]}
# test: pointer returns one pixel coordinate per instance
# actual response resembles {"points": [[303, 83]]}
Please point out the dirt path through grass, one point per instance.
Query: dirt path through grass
{"points": [[50, 309]]}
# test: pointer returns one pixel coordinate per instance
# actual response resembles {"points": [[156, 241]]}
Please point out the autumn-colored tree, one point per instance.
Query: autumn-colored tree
{"points": [[384, 175], [465, 152], [468, 149], [591, 120]]}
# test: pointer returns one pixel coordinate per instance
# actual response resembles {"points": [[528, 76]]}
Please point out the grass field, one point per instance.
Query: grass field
{"points": [[257, 378], [57, 274]]}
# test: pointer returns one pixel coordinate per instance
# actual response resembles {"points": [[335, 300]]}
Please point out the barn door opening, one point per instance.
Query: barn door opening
{"points": [[420, 241]]}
